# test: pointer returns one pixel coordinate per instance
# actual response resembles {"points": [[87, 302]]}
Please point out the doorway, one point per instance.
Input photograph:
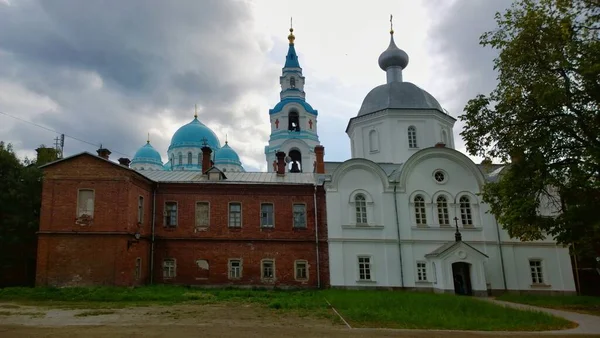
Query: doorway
{"points": [[461, 274]]}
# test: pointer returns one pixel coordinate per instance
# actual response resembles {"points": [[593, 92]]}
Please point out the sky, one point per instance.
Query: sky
{"points": [[109, 71]]}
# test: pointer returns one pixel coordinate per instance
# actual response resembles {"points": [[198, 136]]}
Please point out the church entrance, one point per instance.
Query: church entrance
{"points": [[461, 273]]}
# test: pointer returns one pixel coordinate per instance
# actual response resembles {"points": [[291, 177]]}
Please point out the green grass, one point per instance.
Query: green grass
{"points": [[406, 310], [583, 304]]}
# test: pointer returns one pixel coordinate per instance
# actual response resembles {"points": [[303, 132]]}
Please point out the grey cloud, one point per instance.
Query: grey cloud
{"points": [[151, 56]]}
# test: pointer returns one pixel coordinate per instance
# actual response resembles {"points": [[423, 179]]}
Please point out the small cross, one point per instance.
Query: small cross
{"points": [[277, 123]]}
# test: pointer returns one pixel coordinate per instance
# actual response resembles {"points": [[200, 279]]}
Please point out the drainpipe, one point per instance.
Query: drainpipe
{"points": [[501, 254], [317, 239], [152, 241], [398, 229]]}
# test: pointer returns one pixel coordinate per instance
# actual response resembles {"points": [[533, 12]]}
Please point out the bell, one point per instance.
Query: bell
{"points": [[295, 168]]}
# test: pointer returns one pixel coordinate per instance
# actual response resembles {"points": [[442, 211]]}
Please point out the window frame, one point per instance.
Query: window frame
{"points": [[420, 210], [140, 209], [230, 267], [174, 268], [466, 211], [166, 214], [196, 215], [373, 141], [368, 269], [267, 226], [262, 269], [362, 214], [229, 212], [422, 275], [180, 158], [77, 210], [294, 216], [539, 271], [306, 270], [412, 137], [443, 212]]}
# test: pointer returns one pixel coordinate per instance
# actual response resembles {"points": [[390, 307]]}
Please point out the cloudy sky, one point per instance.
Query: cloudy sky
{"points": [[110, 71]]}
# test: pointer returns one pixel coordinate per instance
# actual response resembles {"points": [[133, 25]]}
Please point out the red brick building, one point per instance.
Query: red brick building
{"points": [[105, 224]]}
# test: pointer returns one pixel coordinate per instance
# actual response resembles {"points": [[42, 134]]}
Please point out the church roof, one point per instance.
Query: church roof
{"points": [[194, 134], [450, 246], [147, 154], [279, 106], [226, 155], [398, 95], [291, 59], [183, 176]]}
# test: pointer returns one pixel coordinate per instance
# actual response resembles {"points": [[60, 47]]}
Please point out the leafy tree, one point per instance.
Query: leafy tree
{"points": [[543, 116], [20, 201]]}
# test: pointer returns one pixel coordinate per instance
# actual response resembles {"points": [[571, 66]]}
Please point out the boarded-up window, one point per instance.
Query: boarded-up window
{"points": [[140, 209], [202, 214], [85, 203], [299, 216], [138, 268], [203, 269]]}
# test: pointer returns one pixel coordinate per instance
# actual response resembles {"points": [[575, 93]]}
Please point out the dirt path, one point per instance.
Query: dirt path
{"points": [[219, 320]]}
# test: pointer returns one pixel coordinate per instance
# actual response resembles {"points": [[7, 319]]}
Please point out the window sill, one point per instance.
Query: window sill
{"points": [[299, 228], [201, 229], [364, 281], [444, 228], [235, 228], [304, 280], [170, 228], [366, 226], [267, 228], [540, 286]]}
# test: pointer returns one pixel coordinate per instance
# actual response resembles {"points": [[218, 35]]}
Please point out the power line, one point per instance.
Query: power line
{"points": [[57, 132]]}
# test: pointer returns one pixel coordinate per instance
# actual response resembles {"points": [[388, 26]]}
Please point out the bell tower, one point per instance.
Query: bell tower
{"points": [[293, 120]]}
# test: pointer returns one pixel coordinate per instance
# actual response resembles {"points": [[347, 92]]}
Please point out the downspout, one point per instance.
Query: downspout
{"points": [[398, 229], [501, 254], [152, 240], [317, 239]]}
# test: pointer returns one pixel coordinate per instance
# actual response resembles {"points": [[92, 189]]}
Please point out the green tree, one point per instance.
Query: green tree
{"points": [[544, 117], [20, 201]]}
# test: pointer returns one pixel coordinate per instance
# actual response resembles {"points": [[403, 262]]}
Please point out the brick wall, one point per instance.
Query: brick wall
{"points": [[103, 252]]}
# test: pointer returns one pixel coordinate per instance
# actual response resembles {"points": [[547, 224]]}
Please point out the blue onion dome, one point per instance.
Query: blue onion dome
{"points": [[226, 155], [194, 134], [393, 56], [147, 154]]}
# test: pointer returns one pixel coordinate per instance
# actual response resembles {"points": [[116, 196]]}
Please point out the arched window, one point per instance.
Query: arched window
{"points": [[412, 137], [361, 209], [200, 159], [373, 140], [442, 207], [293, 121], [444, 137], [465, 211], [292, 82], [180, 158], [190, 157], [420, 215]]}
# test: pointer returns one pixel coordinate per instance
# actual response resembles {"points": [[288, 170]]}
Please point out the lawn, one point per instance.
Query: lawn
{"points": [[582, 304], [390, 309]]}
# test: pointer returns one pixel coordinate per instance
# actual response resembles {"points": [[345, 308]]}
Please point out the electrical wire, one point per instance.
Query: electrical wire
{"points": [[57, 132]]}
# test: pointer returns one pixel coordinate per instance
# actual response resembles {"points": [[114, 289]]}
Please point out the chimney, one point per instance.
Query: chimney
{"points": [[103, 152], [280, 163], [124, 161], [320, 164], [206, 161], [440, 145]]}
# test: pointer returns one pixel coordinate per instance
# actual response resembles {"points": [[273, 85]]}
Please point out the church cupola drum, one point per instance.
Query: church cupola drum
{"points": [[293, 120]]}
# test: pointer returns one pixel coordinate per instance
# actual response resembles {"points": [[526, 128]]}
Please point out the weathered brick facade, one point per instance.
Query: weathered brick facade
{"points": [[105, 251]]}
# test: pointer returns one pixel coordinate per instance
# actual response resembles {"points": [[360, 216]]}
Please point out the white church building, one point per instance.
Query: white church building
{"points": [[404, 211]]}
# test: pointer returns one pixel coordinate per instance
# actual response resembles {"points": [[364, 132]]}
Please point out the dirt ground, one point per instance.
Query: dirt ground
{"points": [[215, 320]]}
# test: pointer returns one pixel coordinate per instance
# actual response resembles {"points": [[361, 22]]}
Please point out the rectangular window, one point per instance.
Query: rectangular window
{"points": [[364, 268], [202, 214], [268, 269], [169, 268], [235, 269], [138, 268], [266, 215], [537, 276], [299, 216], [301, 268], [170, 214], [235, 215], [85, 203], [421, 271], [140, 209]]}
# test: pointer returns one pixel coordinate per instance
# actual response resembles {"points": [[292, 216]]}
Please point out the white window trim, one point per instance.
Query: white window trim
{"points": [[93, 200], [425, 271], [439, 209], [229, 215], [262, 271], [371, 269], [269, 226], [414, 210], [471, 211], [544, 278], [229, 268], [296, 270]]}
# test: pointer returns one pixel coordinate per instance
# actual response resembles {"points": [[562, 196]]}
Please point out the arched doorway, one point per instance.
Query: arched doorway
{"points": [[461, 274], [296, 161]]}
